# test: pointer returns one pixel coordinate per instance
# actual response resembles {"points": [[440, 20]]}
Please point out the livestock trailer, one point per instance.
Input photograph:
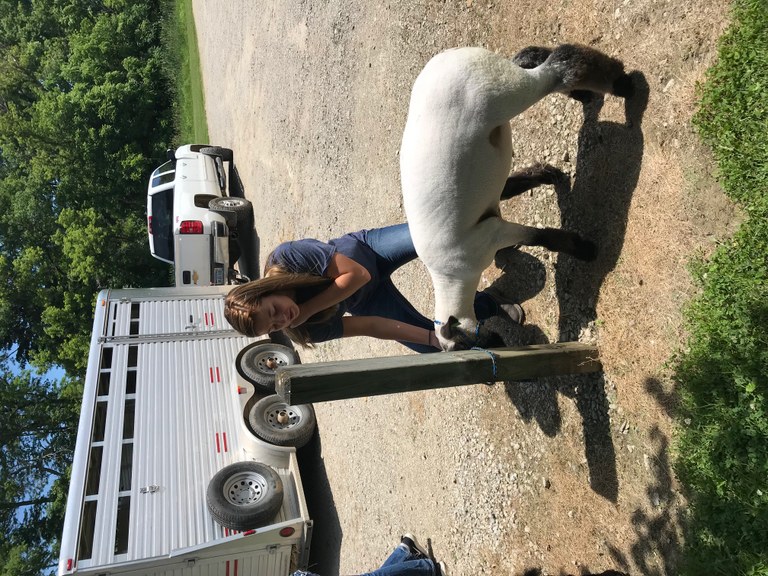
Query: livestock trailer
{"points": [[185, 463]]}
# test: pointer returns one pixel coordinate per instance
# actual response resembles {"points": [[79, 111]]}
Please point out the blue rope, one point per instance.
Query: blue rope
{"points": [[491, 354]]}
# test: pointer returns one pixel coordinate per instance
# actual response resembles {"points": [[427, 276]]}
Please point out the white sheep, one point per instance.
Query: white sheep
{"points": [[456, 156]]}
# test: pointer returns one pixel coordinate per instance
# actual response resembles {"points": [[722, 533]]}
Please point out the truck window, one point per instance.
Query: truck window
{"points": [[163, 179], [162, 223], [168, 168]]}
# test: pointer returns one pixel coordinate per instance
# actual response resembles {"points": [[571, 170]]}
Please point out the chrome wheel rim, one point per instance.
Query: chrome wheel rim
{"points": [[245, 488]]}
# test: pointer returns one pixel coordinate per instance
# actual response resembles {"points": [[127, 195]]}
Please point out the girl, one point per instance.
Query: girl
{"points": [[318, 291]]}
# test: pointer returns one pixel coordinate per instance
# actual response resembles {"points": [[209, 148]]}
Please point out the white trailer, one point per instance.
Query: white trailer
{"points": [[169, 476]]}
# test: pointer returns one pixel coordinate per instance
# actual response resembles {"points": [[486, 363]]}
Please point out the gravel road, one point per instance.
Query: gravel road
{"points": [[568, 474]]}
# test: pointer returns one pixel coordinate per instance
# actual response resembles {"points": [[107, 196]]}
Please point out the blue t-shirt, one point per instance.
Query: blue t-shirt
{"points": [[314, 257]]}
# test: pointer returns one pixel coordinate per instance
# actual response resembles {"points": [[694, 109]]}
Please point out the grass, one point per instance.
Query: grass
{"points": [[182, 67], [722, 445]]}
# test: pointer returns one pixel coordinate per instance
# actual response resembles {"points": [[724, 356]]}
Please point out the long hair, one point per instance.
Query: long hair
{"points": [[245, 299]]}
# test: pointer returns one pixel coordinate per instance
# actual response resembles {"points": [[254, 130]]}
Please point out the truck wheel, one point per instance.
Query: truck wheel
{"points": [[224, 153], [234, 209], [244, 495], [276, 422], [257, 363]]}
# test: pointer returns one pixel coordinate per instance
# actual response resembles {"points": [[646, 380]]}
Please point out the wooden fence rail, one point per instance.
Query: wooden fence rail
{"points": [[326, 381]]}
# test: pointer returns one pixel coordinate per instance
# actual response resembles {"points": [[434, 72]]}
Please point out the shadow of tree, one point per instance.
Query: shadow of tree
{"points": [[667, 400], [658, 545]]}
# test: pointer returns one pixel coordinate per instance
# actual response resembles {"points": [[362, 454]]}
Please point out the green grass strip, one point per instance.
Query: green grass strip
{"points": [[182, 68], [722, 444]]}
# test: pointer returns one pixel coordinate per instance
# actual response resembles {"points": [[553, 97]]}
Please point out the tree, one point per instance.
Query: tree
{"points": [[85, 114], [84, 117], [38, 427]]}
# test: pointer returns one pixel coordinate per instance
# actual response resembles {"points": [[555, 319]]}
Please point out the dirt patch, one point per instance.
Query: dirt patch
{"points": [[565, 474]]}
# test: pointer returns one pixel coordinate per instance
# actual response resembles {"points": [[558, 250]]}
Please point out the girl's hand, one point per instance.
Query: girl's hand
{"points": [[301, 318]]}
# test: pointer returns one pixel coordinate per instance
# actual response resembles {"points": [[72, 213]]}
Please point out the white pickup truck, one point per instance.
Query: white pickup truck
{"points": [[193, 220]]}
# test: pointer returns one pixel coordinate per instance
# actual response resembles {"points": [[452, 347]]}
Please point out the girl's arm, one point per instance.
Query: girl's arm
{"points": [[387, 329], [348, 277]]}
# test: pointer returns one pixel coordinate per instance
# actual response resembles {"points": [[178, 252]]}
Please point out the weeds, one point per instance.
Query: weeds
{"points": [[181, 66], [722, 447]]}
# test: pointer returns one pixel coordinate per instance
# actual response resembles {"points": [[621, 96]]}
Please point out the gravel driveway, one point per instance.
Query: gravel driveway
{"points": [[568, 474]]}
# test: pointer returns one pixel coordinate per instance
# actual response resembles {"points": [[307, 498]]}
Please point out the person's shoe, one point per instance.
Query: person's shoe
{"points": [[441, 569], [413, 545], [508, 309]]}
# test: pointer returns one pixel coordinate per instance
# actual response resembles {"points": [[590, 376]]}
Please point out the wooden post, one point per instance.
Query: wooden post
{"points": [[325, 381]]}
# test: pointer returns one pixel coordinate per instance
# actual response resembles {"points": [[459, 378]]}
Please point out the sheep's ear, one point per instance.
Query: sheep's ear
{"points": [[448, 330], [445, 331]]}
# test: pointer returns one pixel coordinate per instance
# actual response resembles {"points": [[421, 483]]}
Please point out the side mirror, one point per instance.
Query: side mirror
{"points": [[170, 155]]}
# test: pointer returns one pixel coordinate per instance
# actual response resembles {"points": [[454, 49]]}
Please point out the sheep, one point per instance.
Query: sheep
{"points": [[456, 155]]}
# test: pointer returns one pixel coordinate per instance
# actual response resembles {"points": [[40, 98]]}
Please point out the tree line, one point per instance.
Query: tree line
{"points": [[85, 114]]}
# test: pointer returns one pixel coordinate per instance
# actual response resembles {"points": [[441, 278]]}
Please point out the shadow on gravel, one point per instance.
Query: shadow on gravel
{"points": [[658, 545], [327, 534], [247, 245], [597, 205]]}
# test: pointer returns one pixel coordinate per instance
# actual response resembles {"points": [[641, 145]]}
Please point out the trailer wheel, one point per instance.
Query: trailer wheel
{"points": [[280, 424], [224, 153], [244, 495], [257, 363]]}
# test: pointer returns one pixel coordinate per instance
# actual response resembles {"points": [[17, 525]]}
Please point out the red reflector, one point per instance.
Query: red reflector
{"points": [[249, 532], [149, 224], [191, 227], [285, 532], [69, 564]]}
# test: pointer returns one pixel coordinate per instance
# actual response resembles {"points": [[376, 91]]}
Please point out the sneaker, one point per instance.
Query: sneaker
{"points": [[441, 569], [416, 549], [509, 310]]}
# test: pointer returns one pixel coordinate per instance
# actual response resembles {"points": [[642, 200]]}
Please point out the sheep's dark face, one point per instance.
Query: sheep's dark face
{"points": [[455, 335]]}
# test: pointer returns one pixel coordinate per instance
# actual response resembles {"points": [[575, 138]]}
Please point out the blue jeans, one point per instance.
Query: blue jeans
{"points": [[402, 563], [399, 563], [393, 247]]}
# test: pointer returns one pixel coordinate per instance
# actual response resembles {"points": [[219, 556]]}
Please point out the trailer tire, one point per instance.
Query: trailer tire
{"points": [[257, 363], [278, 423], [225, 154], [244, 495]]}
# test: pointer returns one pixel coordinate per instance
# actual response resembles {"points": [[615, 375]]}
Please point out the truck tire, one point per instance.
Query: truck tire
{"points": [[244, 495], [234, 209], [276, 422], [257, 363], [224, 153]]}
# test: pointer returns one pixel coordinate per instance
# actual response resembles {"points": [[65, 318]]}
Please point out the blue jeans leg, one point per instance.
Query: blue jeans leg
{"points": [[402, 563], [393, 246]]}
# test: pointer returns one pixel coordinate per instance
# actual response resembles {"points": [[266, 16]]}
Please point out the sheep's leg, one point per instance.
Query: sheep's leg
{"points": [[554, 239], [531, 177]]}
